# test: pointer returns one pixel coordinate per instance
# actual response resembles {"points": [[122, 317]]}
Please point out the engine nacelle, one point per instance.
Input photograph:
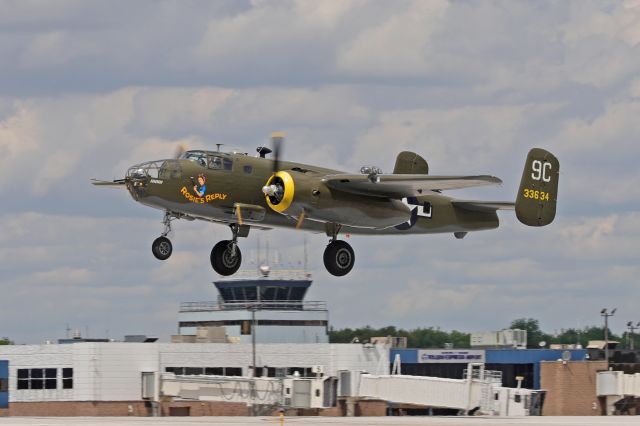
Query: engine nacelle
{"points": [[293, 192]]}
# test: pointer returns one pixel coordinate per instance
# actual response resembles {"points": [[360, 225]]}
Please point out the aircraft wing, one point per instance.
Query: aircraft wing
{"points": [[118, 183], [484, 206], [403, 185]]}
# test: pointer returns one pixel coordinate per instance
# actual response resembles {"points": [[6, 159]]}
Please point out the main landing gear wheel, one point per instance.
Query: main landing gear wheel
{"points": [[226, 257], [339, 258], [162, 248]]}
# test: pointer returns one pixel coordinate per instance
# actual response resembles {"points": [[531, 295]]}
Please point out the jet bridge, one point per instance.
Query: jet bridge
{"points": [[620, 390], [479, 391]]}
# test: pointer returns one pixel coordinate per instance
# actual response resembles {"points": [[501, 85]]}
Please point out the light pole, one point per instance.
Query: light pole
{"points": [[606, 316], [254, 307], [632, 328]]}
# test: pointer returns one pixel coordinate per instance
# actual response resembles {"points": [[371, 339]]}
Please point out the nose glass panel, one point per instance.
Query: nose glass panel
{"points": [[162, 169]]}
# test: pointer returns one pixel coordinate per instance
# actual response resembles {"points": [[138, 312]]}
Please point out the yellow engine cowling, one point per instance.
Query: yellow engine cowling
{"points": [[305, 192]]}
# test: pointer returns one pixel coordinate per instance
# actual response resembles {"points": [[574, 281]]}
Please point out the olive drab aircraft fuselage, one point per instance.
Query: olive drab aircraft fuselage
{"points": [[244, 192]]}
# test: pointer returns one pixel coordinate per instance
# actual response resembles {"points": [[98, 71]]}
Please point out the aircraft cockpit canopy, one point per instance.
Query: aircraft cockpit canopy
{"points": [[211, 160]]}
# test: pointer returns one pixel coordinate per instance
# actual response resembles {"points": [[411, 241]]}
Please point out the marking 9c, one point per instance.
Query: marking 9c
{"points": [[541, 171]]}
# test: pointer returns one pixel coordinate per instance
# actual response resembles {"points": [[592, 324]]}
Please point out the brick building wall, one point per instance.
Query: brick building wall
{"points": [[571, 387], [124, 408]]}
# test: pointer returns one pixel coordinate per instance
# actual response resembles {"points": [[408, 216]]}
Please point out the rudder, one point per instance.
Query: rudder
{"points": [[538, 193]]}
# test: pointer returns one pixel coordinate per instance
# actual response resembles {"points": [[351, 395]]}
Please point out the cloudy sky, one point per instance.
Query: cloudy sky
{"points": [[89, 88]]}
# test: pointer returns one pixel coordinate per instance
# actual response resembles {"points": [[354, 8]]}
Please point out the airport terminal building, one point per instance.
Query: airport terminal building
{"points": [[261, 347]]}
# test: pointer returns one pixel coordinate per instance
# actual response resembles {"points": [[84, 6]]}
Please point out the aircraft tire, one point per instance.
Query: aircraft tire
{"points": [[339, 258], [222, 260], [162, 248]]}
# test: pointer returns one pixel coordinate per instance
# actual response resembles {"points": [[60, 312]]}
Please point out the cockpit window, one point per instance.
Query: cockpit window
{"points": [[218, 162], [196, 156]]}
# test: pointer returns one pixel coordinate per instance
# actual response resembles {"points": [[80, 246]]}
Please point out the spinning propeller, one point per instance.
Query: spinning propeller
{"points": [[275, 190]]}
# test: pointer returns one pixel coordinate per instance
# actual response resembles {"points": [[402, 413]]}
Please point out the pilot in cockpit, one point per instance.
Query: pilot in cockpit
{"points": [[215, 162]]}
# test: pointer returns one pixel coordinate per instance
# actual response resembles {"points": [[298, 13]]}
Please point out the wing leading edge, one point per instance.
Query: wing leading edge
{"points": [[404, 185]]}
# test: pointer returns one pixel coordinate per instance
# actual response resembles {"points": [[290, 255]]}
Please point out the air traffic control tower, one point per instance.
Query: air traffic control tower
{"points": [[271, 302]]}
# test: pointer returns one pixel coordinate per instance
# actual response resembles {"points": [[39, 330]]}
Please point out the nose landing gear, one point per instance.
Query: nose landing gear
{"points": [[161, 246]]}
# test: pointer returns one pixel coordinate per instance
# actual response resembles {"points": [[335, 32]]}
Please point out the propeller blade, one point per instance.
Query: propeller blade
{"points": [[277, 138], [300, 220], [180, 149]]}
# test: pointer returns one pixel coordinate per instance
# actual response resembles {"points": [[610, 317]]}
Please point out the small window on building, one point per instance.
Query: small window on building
{"points": [[37, 378], [214, 371], [245, 328], [23, 378], [317, 392], [193, 371], [233, 371], [4, 385], [67, 378], [517, 398]]}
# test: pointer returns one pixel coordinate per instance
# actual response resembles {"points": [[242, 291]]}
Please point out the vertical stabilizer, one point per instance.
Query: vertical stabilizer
{"points": [[410, 163], [538, 193]]}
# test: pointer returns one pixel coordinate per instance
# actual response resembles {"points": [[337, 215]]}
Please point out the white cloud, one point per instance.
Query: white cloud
{"points": [[400, 45], [87, 91], [54, 49], [19, 138]]}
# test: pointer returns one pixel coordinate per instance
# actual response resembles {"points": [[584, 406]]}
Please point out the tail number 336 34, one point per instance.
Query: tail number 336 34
{"points": [[541, 171]]}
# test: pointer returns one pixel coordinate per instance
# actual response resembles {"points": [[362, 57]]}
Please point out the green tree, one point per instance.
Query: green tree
{"points": [[5, 341], [534, 334], [417, 338]]}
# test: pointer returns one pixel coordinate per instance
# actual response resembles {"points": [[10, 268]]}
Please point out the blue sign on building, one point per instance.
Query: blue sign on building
{"points": [[512, 362], [4, 384]]}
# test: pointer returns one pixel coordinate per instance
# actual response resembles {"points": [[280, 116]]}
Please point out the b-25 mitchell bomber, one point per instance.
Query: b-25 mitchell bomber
{"points": [[244, 192]]}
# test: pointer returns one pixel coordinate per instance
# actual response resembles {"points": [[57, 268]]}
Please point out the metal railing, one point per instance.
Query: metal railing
{"points": [[244, 305], [490, 376], [274, 274]]}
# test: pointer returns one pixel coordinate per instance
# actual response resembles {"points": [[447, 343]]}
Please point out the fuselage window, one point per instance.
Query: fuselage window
{"points": [[196, 157], [220, 163], [248, 169], [215, 163]]}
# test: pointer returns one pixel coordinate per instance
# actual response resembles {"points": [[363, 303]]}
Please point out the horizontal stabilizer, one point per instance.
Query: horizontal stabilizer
{"points": [[404, 185], [484, 206]]}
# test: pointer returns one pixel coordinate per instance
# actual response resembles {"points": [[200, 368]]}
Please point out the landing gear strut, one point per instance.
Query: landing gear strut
{"points": [[339, 257], [226, 257], [161, 246]]}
